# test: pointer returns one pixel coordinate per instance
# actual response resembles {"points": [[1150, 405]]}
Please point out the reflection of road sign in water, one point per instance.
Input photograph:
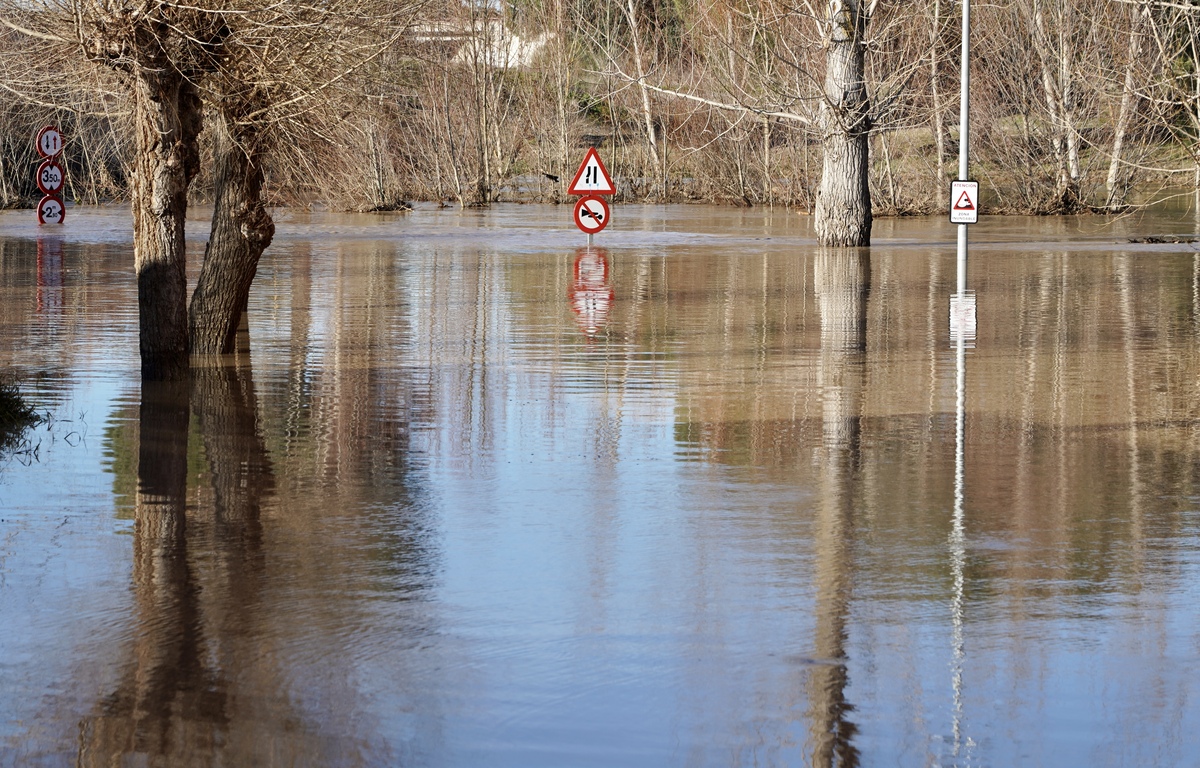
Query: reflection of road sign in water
{"points": [[49, 142], [591, 214], [50, 275], [51, 210], [962, 317], [591, 295], [49, 177], [591, 178], [964, 202]]}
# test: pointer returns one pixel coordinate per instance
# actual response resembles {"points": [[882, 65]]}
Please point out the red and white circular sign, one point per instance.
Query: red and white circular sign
{"points": [[591, 214], [49, 142], [51, 210], [50, 177]]}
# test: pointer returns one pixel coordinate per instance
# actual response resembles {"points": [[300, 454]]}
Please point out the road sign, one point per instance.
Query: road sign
{"points": [[964, 202], [591, 214], [592, 178], [49, 142], [51, 210], [49, 177]]}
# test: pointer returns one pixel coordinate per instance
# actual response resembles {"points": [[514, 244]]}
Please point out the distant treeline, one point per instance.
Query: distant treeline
{"points": [[1074, 104]]}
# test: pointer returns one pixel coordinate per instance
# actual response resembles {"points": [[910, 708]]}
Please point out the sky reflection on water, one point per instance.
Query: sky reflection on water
{"points": [[481, 497]]}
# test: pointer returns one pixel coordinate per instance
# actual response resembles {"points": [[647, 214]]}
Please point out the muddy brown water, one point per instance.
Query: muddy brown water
{"points": [[479, 496]]}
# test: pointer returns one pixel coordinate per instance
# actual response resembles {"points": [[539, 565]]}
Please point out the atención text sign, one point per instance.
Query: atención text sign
{"points": [[964, 202]]}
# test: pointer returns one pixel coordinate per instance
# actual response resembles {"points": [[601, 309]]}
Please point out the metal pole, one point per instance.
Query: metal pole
{"points": [[964, 136]]}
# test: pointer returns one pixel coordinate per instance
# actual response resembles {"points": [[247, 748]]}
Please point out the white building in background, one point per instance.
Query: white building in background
{"points": [[487, 41]]}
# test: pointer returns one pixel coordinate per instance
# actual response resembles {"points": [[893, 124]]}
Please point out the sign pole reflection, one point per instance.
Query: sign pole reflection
{"points": [[962, 334]]}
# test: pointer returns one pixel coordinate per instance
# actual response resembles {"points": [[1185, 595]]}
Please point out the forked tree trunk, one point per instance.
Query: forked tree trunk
{"points": [[843, 210], [168, 123], [241, 230]]}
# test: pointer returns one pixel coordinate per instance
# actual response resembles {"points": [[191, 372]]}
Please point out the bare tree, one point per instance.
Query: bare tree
{"points": [[265, 69], [843, 212]]}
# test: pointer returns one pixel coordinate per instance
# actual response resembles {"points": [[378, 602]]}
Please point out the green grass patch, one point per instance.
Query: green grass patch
{"points": [[16, 415]]}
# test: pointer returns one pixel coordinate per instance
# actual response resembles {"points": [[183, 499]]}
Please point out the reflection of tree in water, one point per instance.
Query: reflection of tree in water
{"points": [[773, 422], [170, 705], [300, 506], [843, 281], [197, 577]]}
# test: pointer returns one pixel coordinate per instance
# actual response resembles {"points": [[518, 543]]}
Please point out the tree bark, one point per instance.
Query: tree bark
{"points": [[1058, 89], [1116, 184], [168, 122], [241, 230], [647, 117], [843, 210], [939, 120]]}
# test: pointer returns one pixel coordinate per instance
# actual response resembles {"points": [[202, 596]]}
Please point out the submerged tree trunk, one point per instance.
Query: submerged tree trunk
{"points": [[241, 230], [167, 123], [843, 210]]}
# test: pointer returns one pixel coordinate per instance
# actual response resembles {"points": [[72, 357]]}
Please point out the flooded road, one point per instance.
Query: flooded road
{"points": [[483, 497]]}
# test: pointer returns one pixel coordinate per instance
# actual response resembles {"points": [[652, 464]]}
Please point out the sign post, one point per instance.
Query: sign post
{"points": [[50, 176], [591, 181], [964, 194]]}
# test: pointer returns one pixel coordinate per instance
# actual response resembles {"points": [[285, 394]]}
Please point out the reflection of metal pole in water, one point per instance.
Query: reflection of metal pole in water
{"points": [[842, 282], [958, 553]]}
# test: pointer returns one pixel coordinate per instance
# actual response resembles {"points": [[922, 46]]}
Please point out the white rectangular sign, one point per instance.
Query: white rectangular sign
{"points": [[964, 202]]}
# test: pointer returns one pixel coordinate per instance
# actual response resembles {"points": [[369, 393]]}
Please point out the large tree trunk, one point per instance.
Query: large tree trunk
{"points": [[168, 123], [843, 210], [241, 230]]}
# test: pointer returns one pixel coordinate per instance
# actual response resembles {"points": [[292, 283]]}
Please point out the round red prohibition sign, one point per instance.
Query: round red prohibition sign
{"points": [[49, 142], [591, 214], [51, 210], [49, 177]]}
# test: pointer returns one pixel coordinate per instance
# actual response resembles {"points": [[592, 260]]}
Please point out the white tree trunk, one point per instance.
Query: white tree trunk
{"points": [[1115, 184], [635, 33]]}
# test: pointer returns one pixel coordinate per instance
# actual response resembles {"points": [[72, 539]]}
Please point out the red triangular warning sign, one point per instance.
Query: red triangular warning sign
{"points": [[592, 178], [965, 203]]}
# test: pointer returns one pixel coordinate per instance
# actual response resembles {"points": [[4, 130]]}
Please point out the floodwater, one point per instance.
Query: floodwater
{"points": [[707, 496]]}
